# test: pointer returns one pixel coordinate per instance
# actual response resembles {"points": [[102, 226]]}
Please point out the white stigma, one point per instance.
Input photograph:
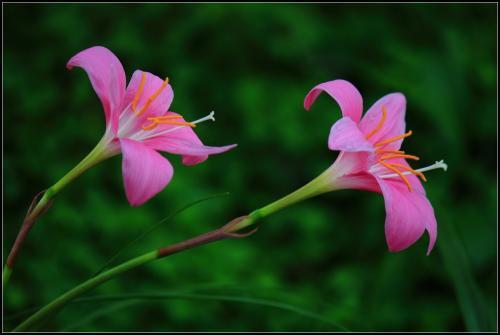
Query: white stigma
{"points": [[206, 118], [438, 165], [203, 119]]}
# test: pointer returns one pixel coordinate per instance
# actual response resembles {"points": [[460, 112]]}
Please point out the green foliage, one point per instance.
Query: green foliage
{"points": [[253, 64]]}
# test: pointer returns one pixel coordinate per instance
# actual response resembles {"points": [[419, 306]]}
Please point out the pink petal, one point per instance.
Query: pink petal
{"points": [[107, 77], [152, 84], [145, 172], [346, 136], [394, 125], [183, 141], [346, 95], [409, 214], [357, 181]]}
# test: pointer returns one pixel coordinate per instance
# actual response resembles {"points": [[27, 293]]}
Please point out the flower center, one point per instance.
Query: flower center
{"points": [[384, 156], [184, 124], [154, 121]]}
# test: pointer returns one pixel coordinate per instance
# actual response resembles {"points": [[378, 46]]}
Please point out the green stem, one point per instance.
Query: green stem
{"points": [[313, 188], [5, 276], [58, 303], [39, 207]]}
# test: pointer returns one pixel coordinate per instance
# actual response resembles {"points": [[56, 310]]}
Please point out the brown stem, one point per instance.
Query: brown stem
{"points": [[221, 233], [36, 209]]}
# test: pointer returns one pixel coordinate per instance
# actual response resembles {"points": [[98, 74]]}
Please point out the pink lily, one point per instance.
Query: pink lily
{"points": [[370, 159], [138, 124]]}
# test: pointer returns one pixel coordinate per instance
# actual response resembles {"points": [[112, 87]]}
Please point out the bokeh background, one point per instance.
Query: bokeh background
{"points": [[319, 265]]}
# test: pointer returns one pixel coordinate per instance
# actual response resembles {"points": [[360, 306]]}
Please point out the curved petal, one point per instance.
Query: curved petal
{"points": [[144, 87], [346, 95], [145, 172], [408, 215], [107, 77], [183, 141], [346, 136], [393, 125]]}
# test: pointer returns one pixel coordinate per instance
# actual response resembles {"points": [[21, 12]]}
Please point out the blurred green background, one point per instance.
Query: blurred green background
{"points": [[325, 260]]}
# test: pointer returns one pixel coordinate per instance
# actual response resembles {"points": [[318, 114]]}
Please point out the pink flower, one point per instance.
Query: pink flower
{"points": [[138, 124], [370, 159]]}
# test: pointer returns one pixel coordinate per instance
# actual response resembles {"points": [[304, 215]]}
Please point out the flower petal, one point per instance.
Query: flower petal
{"points": [[408, 215], [151, 88], [346, 95], [145, 172], [107, 77], [152, 84], [346, 136], [394, 124], [183, 141], [412, 179]]}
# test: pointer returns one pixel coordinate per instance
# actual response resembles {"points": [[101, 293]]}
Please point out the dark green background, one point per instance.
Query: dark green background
{"points": [[253, 65]]}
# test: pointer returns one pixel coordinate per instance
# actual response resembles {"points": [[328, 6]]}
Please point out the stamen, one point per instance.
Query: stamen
{"points": [[438, 165], [398, 173], [139, 91], [166, 117], [389, 152], [380, 123], [393, 139], [407, 168], [153, 97], [176, 123], [150, 126], [383, 158]]}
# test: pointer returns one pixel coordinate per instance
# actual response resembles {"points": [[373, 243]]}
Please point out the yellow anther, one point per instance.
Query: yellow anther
{"points": [[390, 167], [380, 123], [153, 97], [393, 139], [139, 91]]}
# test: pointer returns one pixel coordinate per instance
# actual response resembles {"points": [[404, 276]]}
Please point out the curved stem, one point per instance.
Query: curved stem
{"points": [[40, 206], [229, 230], [61, 301], [58, 303]]}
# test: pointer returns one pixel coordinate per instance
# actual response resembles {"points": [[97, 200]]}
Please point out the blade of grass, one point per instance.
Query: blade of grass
{"points": [[468, 293], [207, 297], [154, 227], [96, 314]]}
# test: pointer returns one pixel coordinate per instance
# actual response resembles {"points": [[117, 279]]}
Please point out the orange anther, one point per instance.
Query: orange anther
{"points": [[389, 152], [139, 91], [380, 123], [167, 117], [153, 97], [150, 126], [417, 173], [399, 174], [176, 123], [383, 158], [392, 139]]}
